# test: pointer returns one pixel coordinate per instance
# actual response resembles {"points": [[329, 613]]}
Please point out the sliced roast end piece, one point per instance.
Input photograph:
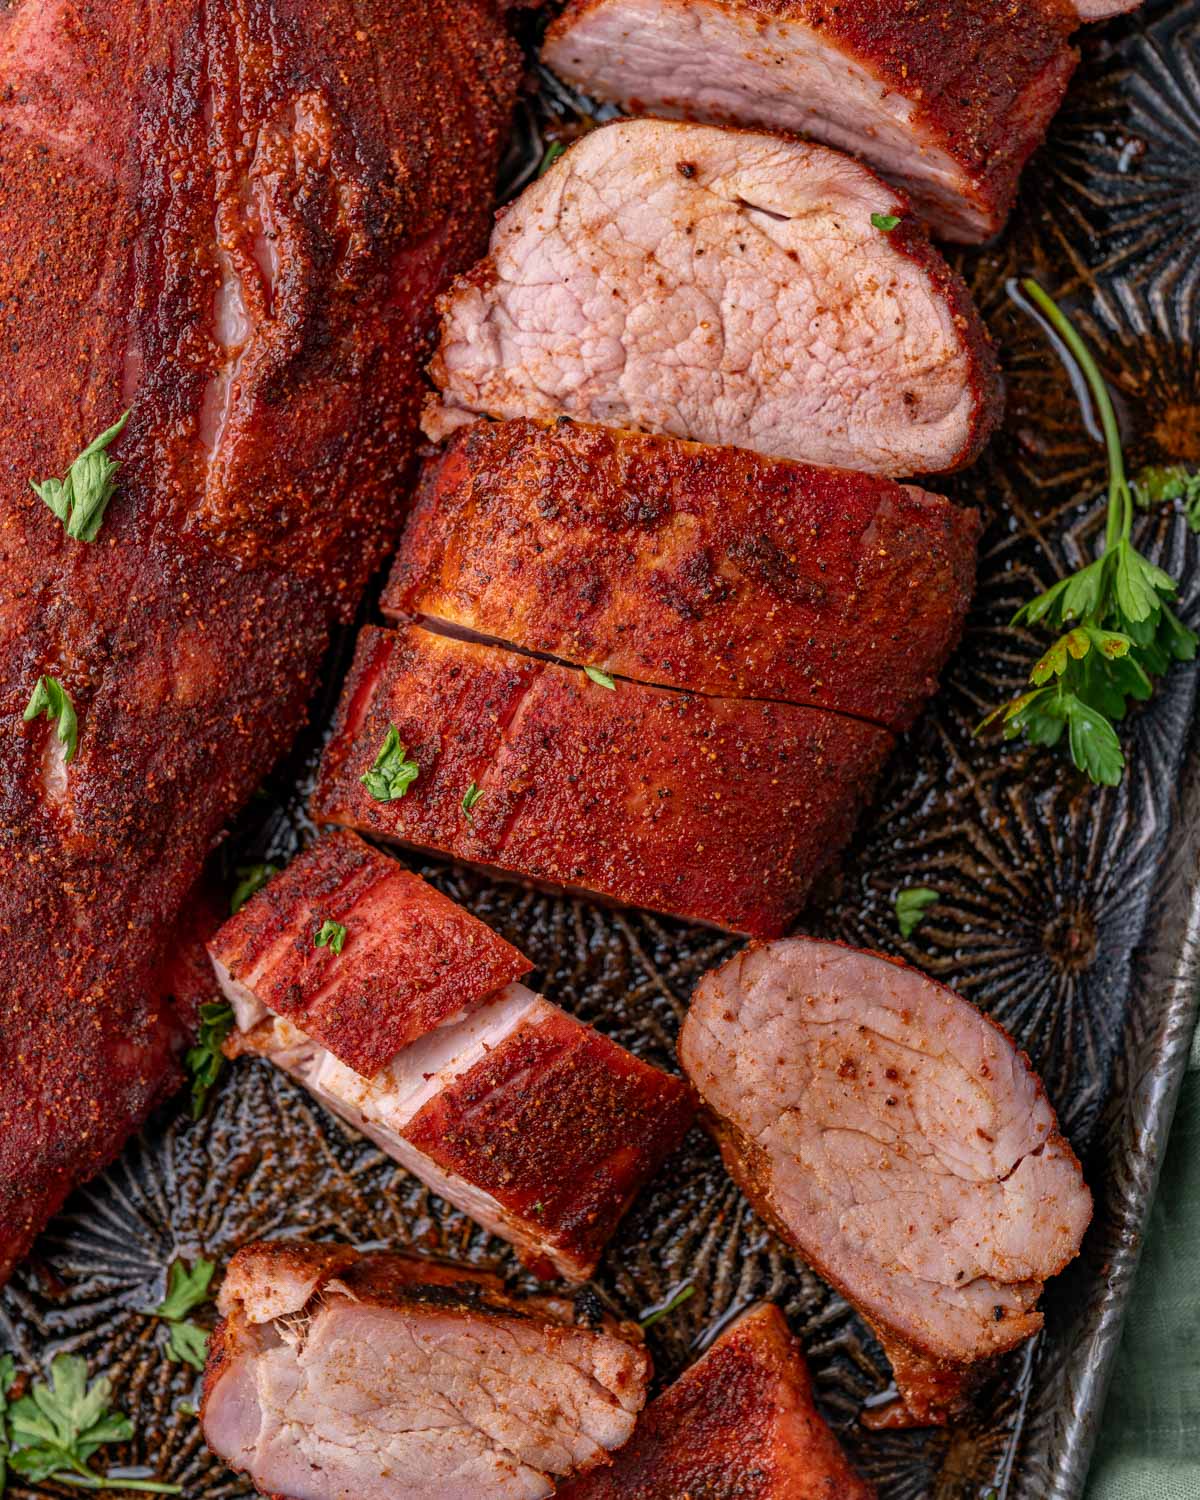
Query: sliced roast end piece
{"points": [[396, 959], [707, 569], [741, 1421], [725, 286], [899, 1140], [385, 1377]]}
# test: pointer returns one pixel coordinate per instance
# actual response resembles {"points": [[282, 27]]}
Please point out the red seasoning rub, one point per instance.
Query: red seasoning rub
{"points": [[897, 1138], [359, 953], [534, 1124], [719, 810], [233, 219], [741, 1422], [946, 98], [725, 286], [384, 1376], [710, 569]]}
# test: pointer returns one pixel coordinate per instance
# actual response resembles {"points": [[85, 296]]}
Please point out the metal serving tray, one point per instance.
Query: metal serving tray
{"points": [[1071, 913]]}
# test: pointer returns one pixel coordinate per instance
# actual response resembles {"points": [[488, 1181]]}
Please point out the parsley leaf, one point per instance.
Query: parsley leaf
{"points": [[884, 222], [470, 797], [250, 879], [1116, 630], [601, 679], [186, 1290], [187, 1343], [8, 1373], [392, 772], [80, 499], [553, 151], [205, 1060], [911, 906], [1159, 483], [50, 698], [331, 934], [677, 1300], [56, 1429]]}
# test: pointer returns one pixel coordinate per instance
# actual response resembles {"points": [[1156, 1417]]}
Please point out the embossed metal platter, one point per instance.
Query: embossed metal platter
{"points": [[1071, 913]]}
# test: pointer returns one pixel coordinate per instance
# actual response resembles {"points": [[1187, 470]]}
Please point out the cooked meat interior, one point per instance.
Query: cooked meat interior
{"points": [[899, 1140], [537, 1126], [710, 569], [945, 98], [720, 810], [727, 287], [740, 1423], [407, 959], [339, 1376]]}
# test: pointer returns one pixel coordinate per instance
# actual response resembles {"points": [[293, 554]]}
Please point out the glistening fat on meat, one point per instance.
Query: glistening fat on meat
{"points": [[709, 569], [727, 287], [384, 1376], [945, 98], [719, 810], [741, 1422], [898, 1139], [534, 1124]]}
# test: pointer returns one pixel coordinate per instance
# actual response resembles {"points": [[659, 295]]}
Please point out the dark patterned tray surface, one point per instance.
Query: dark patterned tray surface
{"points": [[1070, 913]]}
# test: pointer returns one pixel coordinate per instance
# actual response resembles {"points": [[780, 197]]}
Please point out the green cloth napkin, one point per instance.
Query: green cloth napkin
{"points": [[1149, 1446]]}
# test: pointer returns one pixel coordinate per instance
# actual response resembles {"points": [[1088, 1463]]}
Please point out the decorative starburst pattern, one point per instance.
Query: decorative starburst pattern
{"points": [[1069, 912]]}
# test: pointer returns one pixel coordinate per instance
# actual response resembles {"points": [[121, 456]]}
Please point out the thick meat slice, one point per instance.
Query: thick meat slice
{"points": [[410, 958], [1100, 10], [723, 286], [945, 98], [338, 1376], [897, 1138], [712, 569], [740, 1423], [534, 1124], [720, 810], [232, 218]]}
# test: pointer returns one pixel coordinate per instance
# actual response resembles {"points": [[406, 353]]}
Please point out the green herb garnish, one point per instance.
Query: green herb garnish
{"points": [[331, 935], [676, 1301], [553, 151], [50, 698], [1117, 631], [601, 679], [80, 499], [1159, 483], [392, 773], [250, 879], [205, 1060], [186, 1290], [470, 797], [885, 222], [56, 1429], [911, 906], [8, 1374]]}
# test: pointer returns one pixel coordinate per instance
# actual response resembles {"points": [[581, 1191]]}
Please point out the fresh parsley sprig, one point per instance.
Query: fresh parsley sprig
{"points": [[392, 772], [205, 1060], [911, 906], [330, 935], [250, 880], [81, 497], [186, 1291], [1117, 631], [56, 1430], [51, 698], [1159, 483]]}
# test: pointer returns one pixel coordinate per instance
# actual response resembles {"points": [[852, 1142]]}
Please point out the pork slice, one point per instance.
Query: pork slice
{"points": [[720, 810], [537, 1126], [710, 569], [385, 1377], [1101, 10], [410, 957], [728, 287], [740, 1422], [899, 1140], [945, 98]]}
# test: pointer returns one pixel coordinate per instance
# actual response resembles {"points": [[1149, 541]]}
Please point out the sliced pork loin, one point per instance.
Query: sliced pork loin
{"points": [[1101, 10], [540, 1128], [727, 287], [343, 1376], [711, 569], [720, 810], [408, 960], [741, 1422], [899, 1140], [945, 98]]}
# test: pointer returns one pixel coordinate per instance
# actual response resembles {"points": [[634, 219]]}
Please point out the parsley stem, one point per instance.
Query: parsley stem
{"points": [[1120, 502], [104, 1482]]}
